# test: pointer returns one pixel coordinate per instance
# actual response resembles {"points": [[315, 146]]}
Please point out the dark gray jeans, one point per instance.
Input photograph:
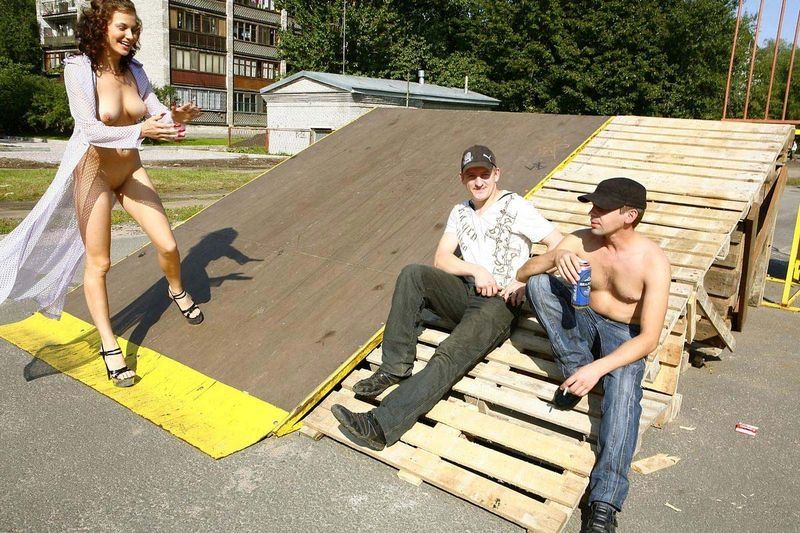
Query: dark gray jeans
{"points": [[480, 325]]}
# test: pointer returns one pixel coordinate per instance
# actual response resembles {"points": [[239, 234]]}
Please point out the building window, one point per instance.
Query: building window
{"points": [[269, 70], [53, 60], [245, 67], [182, 59], [182, 19], [204, 99], [245, 31], [212, 63], [245, 102], [273, 37], [197, 61]]}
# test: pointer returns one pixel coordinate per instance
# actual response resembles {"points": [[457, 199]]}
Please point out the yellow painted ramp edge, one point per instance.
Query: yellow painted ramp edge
{"points": [[292, 421], [215, 418]]}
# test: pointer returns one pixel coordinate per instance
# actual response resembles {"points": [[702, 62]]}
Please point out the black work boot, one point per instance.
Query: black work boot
{"points": [[565, 400], [375, 384], [361, 428], [602, 519]]}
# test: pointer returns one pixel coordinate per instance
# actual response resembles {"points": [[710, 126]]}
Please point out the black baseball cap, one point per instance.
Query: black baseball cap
{"points": [[614, 193], [477, 156]]}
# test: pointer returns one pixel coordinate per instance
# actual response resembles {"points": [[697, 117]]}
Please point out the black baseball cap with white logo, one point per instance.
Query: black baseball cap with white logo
{"points": [[614, 193], [477, 156]]}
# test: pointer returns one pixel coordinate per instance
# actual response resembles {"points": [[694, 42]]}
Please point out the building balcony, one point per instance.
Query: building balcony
{"points": [[57, 8], [256, 14], [191, 78], [197, 40], [255, 50], [59, 41], [212, 6]]}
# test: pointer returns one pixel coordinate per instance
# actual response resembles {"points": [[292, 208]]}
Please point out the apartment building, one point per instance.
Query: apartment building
{"points": [[217, 53]]}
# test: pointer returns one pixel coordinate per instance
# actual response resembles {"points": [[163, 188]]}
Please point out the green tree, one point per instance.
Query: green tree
{"points": [[49, 107], [650, 57], [16, 94], [19, 33]]}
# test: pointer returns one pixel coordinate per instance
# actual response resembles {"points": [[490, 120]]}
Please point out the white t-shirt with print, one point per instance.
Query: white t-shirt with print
{"points": [[500, 239]]}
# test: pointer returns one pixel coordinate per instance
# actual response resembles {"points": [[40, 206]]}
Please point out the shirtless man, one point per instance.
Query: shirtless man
{"points": [[608, 340]]}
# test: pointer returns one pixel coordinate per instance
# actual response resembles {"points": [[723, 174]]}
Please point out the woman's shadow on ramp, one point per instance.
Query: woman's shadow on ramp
{"points": [[144, 312]]}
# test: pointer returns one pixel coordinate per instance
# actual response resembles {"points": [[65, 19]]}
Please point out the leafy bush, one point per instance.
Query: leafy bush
{"points": [[49, 109], [16, 94]]}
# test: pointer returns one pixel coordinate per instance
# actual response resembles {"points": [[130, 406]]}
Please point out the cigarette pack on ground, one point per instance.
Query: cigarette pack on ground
{"points": [[747, 429]]}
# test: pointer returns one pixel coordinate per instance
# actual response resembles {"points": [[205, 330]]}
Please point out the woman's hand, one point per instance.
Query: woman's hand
{"points": [[152, 128], [185, 113]]}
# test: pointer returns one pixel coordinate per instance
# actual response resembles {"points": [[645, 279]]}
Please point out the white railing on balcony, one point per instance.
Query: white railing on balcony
{"points": [[58, 7]]}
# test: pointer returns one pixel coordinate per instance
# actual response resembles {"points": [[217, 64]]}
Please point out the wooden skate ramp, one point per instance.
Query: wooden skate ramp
{"points": [[295, 270]]}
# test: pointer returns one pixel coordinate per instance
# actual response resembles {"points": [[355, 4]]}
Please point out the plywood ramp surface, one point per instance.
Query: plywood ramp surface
{"points": [[294, 271], [495, 439]]}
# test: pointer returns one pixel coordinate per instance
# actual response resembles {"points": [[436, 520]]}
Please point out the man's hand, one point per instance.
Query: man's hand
{"points": [[583, 380], [568, 265], [485, 285], [514, 293]]}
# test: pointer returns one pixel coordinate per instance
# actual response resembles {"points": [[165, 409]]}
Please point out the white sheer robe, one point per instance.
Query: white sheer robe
{"points": [[40, 257]]}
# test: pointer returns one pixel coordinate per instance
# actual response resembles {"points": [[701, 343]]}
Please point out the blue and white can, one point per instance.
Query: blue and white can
{"points": [[581, 290]]}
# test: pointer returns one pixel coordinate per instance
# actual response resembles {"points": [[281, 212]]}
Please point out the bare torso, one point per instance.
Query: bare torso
{"points": [[617, 276], [118, 104]]}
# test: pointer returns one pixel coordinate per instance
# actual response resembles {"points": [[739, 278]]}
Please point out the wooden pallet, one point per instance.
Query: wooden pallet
{"points": [[494, 439]]}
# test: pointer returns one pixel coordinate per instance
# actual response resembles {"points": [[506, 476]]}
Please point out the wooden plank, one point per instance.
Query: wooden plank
{"points": [[704, 125], [524, 475], [717, 321], [695, 134], [673, 198], [708, 187], [645, 228], [701, 213], [683, 165], [711, 143], [490, 495], [688, 152], [654, 463]]}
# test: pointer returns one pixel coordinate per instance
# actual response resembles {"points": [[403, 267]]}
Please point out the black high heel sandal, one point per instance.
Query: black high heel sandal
{"points": [[186, 312], [114, 375]]}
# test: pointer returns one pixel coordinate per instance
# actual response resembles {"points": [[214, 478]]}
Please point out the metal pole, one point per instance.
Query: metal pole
{"points": [[753, 59], [774, 58], [791, 67], [733, 54], [344, 34]]}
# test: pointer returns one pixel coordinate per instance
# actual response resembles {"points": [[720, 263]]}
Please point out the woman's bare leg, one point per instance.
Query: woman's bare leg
{"points": [[139, 198], [93, 202]]}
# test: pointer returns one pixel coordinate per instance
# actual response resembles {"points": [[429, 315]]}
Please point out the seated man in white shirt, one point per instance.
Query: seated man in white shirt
{"points": [[478, 295]]}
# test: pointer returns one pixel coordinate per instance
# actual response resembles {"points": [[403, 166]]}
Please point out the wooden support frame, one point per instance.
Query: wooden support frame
{"points": [[716, 320], [759, 228]]}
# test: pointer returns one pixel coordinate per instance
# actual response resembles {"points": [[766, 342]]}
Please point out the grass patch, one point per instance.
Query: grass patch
{"points": [[249, 150], [793, 182], [26, 185], [174, 215], [8, 224]]}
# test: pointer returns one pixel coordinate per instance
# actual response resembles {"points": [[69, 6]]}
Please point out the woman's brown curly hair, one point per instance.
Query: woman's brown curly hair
{"points": [[92, 30]]}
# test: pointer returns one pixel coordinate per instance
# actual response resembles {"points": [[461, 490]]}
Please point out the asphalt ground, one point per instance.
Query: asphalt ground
{"points": [[76, 460]]}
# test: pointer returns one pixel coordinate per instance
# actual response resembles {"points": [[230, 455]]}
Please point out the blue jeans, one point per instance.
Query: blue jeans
{"points": [[479, 325], [579, 336]]}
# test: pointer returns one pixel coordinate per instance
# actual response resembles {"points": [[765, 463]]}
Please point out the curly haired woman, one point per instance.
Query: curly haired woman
{"points": [[109, 98]]}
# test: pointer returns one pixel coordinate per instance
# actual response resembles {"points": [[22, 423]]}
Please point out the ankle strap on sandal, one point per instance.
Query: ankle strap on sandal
{"points": [[113, 351], [178, 296]]}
